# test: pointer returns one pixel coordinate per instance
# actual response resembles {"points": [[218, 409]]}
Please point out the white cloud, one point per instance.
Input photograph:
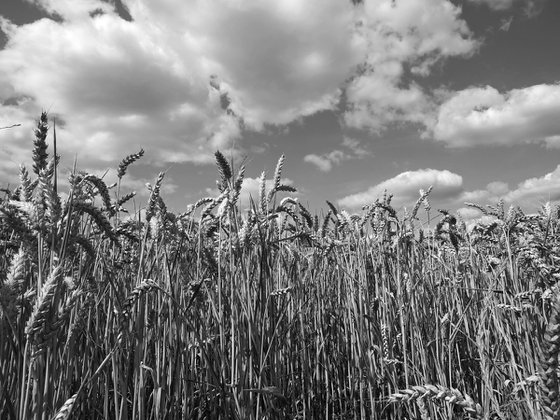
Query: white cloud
{"points": [[493, 192], [528, 194], [538, 189], [278, 61], [162, 80], [484, 116], [326, 161], [114, 87], [403, 35], [405, 188], [469, 213], [553, 142], [497, 187], [355, 147]]}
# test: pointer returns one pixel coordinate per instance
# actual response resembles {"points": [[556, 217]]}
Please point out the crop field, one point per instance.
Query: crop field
{"points": [[269, 311]]}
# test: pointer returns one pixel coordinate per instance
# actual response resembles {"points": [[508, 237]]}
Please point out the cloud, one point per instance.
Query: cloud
{"points": [[114, 87], [354, 145], [179, 79], [405, 188], [491, 194], [538, 189], [528, 194], [553, 142], [325, 162], [469, 213], [189, 77], [484, 116], [405, 39], [530, 8]]}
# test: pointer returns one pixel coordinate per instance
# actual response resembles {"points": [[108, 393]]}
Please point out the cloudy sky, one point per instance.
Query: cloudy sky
{"points": [[361, 96]]}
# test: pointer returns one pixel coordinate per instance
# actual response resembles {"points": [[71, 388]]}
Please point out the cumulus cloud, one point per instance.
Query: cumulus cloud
{"points": [[528, 194], [404, 38], [188, 77], [469, 213], [552, 142], [405, 188], [484, 116], [492, 193], [538, 189], [114, 88], [326, 161], [448, 190], [179, 79]]}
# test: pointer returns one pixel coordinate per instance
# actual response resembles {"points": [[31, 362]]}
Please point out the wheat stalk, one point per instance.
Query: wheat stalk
{"points": [[551, 350]]}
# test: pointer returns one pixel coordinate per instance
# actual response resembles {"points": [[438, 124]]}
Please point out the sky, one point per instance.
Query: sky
{"points": [[360, 96]]}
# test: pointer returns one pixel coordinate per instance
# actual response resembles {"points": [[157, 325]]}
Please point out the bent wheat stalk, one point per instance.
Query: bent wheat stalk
{"points": [[438, 392]]}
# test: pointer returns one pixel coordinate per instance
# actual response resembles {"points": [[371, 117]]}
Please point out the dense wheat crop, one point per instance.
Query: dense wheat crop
{"points": [[270, 312]]}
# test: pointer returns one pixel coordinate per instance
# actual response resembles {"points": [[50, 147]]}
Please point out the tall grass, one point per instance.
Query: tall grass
{"points": [[272, 312]]}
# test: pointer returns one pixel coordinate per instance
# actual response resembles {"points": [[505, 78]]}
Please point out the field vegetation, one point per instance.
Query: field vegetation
{"points": [[272, 311]]}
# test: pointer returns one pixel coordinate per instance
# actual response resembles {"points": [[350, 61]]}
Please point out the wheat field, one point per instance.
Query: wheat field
{"points": [[270, 312]]}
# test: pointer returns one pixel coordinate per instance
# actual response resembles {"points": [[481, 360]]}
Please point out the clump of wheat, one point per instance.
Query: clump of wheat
{"points": [[274, 295]]}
